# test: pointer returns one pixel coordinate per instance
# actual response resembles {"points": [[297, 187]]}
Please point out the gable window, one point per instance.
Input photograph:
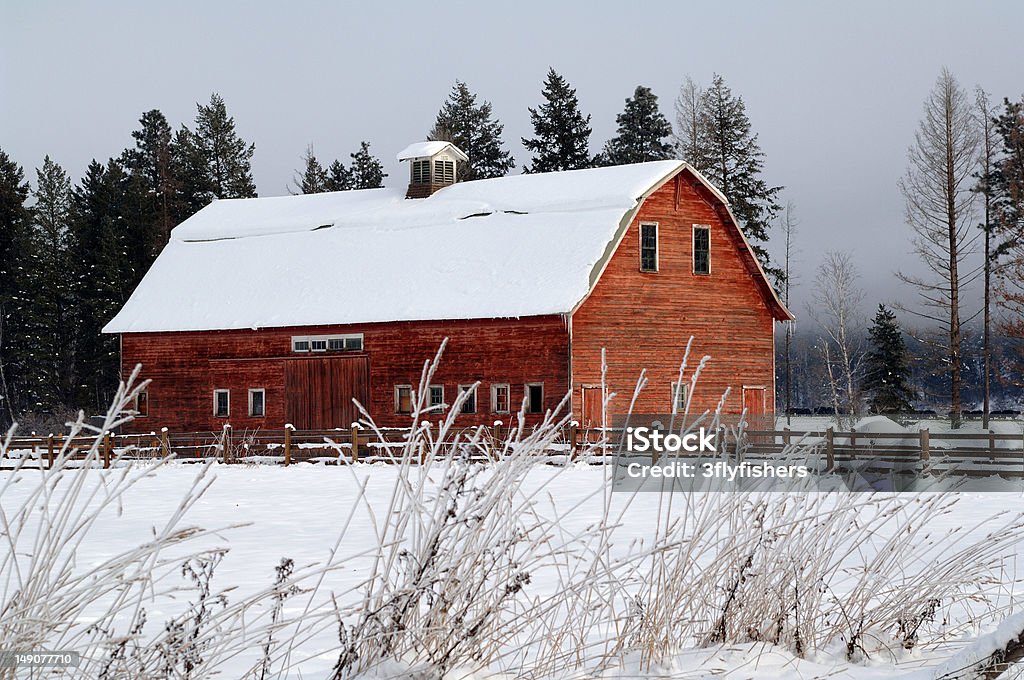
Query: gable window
{"points": [[436, 396], [701, 249], [403, 398], [221, 403], [469, 405], [257, 403], [142, 404], [500, 398], [535, 398], [649, 247], [679, 397]]}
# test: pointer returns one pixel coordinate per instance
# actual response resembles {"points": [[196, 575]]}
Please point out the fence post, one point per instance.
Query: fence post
{"points": [[926, 453], [853, 440], [992, 445], [165, 442], [226, 441], [287, 445], [786, 438], [106, 451], [355, 442], [573, 444], [49, 452], [830, 451]]}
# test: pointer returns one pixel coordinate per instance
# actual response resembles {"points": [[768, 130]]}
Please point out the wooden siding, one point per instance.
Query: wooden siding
{"points": [[644, 320], [186, 367]]}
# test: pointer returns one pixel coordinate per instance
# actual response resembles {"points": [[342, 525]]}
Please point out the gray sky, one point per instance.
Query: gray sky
{"points": [[834, 91]]}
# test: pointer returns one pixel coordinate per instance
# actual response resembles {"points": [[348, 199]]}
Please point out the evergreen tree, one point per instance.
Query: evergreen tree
{"points": [[1007, 193], [562, 134], [190, 169], [728, 154], [46, 316], [642, 132], [367, 171], [107, 209], [228, 158], [338, 177], [887, 366], [15, 219], [151, 159], [471, 128], [313, 179]]}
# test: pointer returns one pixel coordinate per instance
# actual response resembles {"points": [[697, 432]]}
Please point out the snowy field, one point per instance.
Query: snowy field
{"points": [[300, 512]]}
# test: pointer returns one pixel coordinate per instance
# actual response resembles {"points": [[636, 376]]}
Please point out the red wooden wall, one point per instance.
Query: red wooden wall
{"points": [[645, 319], [186, 367]]}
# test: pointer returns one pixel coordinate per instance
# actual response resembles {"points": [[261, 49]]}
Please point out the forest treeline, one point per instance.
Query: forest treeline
{"points": [[71, 252]]}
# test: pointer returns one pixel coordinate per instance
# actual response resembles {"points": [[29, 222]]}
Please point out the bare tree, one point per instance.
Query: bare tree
{"points": [[788, 222], [837, 299], [688, 109], [937, 190], [986, 114]]}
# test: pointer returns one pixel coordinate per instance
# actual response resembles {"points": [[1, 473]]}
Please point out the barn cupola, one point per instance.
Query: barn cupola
{"points": [[432, 165]]}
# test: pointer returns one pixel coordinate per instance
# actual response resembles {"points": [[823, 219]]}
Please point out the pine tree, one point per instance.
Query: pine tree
{"points": [[338, 177], [151, 159], [15, 219], [107, 207], [313, 179], [1007, 191], [562, 134], [887, 366], [471, 128], [190, 169], [728, 154], [46, 315], [366, 170], [228, 157], [642, 132]]}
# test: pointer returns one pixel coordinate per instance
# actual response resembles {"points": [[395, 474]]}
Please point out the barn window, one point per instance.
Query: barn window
{"points": [[535, 398], [436, 396], [679, 397], [403, 398], [701, 249], [649, 247], [469, 405], [257, 402], [327, 343], [221, 403], [500, 398], [142, 404]]}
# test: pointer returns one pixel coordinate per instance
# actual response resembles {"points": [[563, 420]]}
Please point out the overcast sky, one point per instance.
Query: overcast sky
{"points": [[834, 90]]}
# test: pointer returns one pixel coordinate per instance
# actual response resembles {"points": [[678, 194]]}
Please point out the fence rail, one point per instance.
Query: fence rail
{"points": [[290, 446]]}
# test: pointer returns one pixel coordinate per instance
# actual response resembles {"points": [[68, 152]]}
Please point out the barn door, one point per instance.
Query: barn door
{"points": [[319, 392], [755, 405], [592, 404]]}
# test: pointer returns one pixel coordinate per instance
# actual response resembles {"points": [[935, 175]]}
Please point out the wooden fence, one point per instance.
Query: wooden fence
{"points": [[290, 446]]}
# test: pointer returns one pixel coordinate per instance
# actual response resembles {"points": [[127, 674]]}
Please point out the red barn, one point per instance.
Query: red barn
{"points": [[267, 311]]}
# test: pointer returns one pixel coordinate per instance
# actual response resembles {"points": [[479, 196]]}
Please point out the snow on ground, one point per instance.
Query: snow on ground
{"points": [[298, 512]]}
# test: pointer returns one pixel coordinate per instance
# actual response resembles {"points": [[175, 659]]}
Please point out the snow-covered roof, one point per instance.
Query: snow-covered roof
{"points": [[514, 246], [428, 149]]}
